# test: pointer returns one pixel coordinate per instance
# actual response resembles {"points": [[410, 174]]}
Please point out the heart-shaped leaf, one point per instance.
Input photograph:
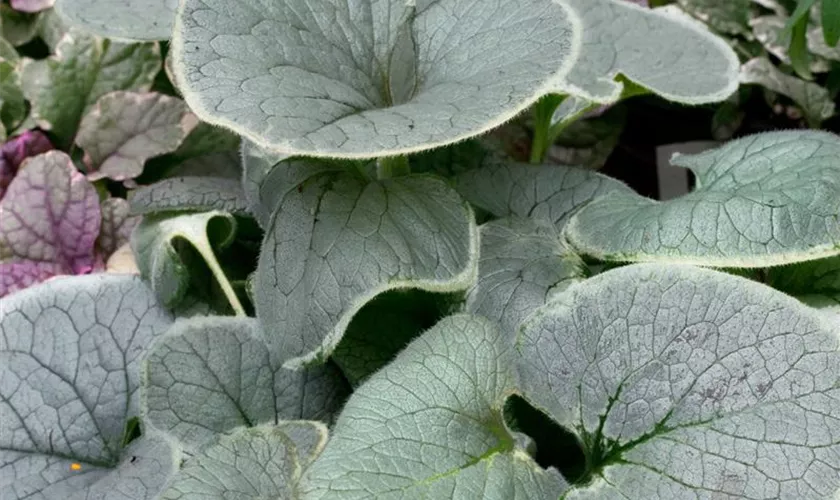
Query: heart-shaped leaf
{"points": [[763, 200], [336, 242], [682, 383], [663, 50], [430, 425], [65, 86], [124, 129], [210, 375], [331, 78], [251, 464], [121, 19], [49, 221], [70, 352]]}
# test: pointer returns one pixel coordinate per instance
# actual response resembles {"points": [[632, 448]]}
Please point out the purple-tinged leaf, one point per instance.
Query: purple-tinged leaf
{"points": [[18, 275], [127, 128], [49, 221], [32, 5], [117, 226], [17, 149]]}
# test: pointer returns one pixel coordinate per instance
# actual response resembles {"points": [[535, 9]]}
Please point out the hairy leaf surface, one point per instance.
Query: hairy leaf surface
{"points": [[763, 200], [338, 242], [121, 19], [684, 383], [430, 425], [547, 193], [70, 352], [662, 50], [251, 464], [156, 244], [331, 78], [522, 264], [211, 375], [187, 194]]}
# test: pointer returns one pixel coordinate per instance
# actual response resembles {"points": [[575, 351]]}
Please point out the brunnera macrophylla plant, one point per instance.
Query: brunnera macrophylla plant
{"points": [[655, 380]]}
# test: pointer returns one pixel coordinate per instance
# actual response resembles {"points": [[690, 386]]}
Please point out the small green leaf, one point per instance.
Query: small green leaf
{"points": [[800, 57], [763, 200], [831, 21], [63, 88], [816, 277], [13, 107], [210, 375]]}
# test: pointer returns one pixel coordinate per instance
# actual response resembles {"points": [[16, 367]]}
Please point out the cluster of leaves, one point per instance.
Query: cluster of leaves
{"points": [[81, 115], [788, 49], [431, 318]]}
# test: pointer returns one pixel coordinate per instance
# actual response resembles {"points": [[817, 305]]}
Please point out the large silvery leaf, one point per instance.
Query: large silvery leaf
{"points": [[49, 222], [331, 78], [124, 129], [70, 354], [430, 425], [547, 193], [211, 375], [685, 383], [121, 19], [251, 464], [338, 242], [662, 50], [84, 68], [759, 201], [161, 244], [522, 264]]}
